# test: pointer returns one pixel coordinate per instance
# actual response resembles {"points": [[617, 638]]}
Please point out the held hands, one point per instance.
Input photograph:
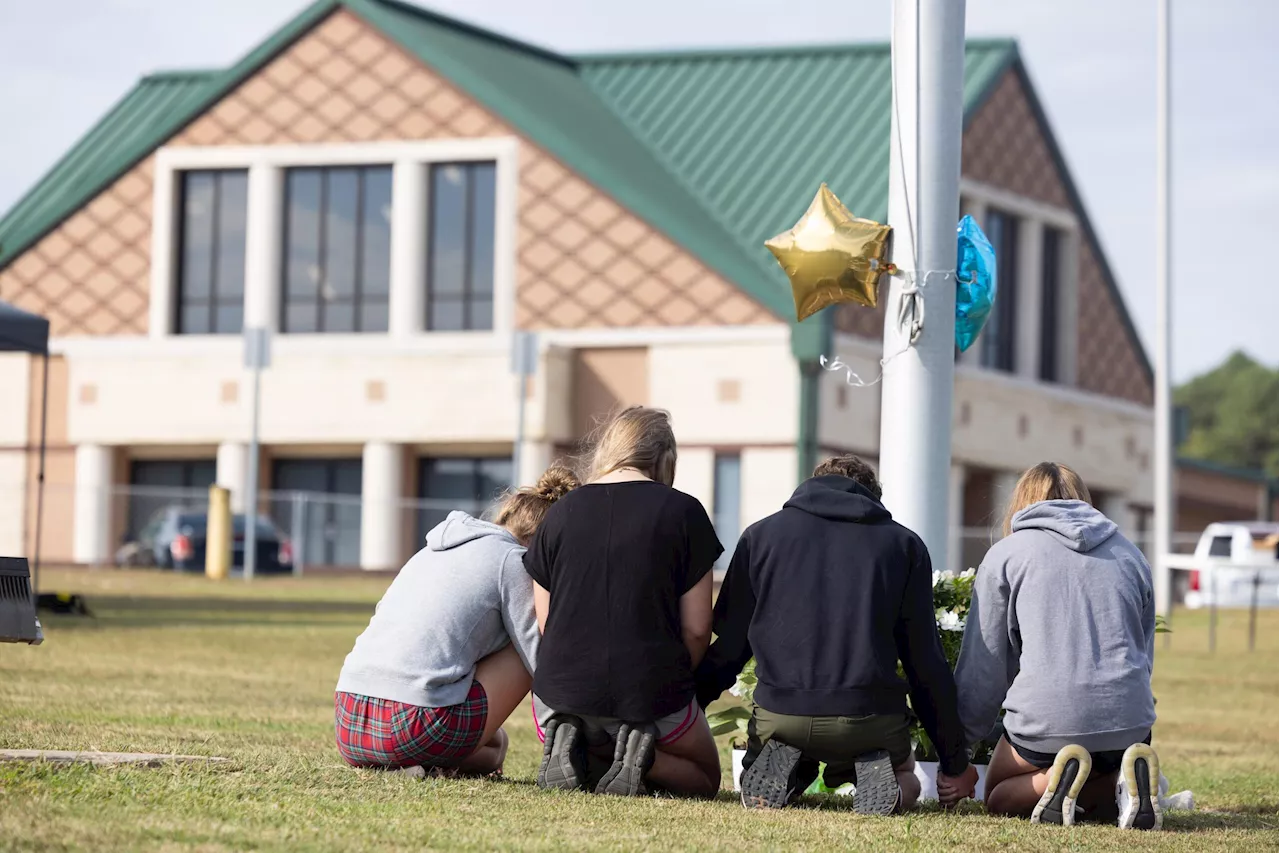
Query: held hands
{"points": [[953, 789]]}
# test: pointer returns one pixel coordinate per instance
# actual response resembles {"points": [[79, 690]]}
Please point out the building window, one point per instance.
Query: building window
{"points": [[210, 292], [337, 249], [460, 247], [726, 503], [159, 483], [1050, 278], [468, 484], [998, 337], [331, 524]]}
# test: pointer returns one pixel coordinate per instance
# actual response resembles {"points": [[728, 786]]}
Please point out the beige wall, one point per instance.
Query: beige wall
{"points": [[1004, 423], [153, 395], [722, 393]]}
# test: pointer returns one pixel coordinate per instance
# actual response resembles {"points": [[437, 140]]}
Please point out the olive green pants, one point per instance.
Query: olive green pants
{"points": [[837, 741]]}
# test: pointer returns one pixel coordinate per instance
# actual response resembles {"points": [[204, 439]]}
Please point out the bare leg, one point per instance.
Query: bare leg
{"points": [[690, 765], [506, 682], [489, 757], [907, 783], [1013, 785]]}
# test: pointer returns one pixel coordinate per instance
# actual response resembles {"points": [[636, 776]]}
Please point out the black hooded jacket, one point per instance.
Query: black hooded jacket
{"points": [[828, 594]]}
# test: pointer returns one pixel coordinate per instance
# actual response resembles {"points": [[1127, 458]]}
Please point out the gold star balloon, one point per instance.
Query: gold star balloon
{"points": [[832, 256]]}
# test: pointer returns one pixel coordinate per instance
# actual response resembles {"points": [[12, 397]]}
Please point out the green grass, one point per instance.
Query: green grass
{"points": [[177, 664]]}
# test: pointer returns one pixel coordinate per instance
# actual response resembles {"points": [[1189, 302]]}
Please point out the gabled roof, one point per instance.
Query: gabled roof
{"points": [[755, 132], [719, 150]]}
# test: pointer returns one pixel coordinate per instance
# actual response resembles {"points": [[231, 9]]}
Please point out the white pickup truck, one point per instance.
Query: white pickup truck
{"points": [[1230, 558]]}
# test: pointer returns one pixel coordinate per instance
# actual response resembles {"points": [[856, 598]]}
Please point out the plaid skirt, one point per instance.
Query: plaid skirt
{"points": [[384, 733]]}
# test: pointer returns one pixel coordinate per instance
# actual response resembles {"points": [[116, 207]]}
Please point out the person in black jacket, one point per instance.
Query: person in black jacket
{"points": [[829, 594]]}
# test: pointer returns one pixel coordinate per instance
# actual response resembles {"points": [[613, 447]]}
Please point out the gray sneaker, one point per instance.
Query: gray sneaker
{"points": [[564, 755], [770, 781], [876, 791], [633, 754]]}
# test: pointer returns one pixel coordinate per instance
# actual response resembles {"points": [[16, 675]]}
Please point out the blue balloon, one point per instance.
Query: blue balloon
{"points": [[975, 281]]}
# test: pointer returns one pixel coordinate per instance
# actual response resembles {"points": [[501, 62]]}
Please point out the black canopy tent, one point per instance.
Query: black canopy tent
{"points": [[21, 331]]}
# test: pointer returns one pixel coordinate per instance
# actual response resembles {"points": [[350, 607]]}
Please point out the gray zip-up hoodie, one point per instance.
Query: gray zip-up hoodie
{"points": [[463, 597], [1061, 631]]}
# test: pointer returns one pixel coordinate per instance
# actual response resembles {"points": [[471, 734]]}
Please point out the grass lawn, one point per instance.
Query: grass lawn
{"points": [[178, 664]]}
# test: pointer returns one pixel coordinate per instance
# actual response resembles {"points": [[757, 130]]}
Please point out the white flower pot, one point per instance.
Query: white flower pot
{"points": [[926, 772]]}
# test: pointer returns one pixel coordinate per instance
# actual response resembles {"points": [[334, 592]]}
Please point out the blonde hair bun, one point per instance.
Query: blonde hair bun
{"points": [[522, 510], [556, 482]]}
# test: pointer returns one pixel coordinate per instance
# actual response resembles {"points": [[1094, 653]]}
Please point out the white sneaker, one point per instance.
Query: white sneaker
{"points": [[1139, 804], [1070, 770]]}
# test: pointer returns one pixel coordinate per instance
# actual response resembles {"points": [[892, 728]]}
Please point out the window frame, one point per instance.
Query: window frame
{"points": [[211, 302], [358, 296], [466, 298], [999, 350], [475, 506], [410, 162], [1050, 320]]}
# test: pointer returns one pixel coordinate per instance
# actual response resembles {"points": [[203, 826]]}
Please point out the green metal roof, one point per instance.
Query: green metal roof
{"points": [[719, 150], [755, 132]]}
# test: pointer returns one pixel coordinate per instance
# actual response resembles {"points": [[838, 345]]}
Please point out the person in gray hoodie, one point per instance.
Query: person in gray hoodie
{"points": [[451, 648], [1061, 633]]}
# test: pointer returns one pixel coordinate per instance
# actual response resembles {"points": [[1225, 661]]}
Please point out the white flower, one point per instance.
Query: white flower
{"points": [[949, 620], [968, 573], [938, 578]]}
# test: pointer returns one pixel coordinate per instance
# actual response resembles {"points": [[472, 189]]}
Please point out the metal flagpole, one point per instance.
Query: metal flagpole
{"points": [[924, 205], [1163, 403], [257, 356]]}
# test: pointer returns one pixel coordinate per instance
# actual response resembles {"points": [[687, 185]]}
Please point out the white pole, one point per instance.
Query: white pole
{"points": [[251, 482], [924, 206], [521, 381], [1163, 403]]}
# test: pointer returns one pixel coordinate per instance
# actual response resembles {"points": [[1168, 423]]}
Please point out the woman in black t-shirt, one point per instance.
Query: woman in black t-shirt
{"points": [[622, 574]]}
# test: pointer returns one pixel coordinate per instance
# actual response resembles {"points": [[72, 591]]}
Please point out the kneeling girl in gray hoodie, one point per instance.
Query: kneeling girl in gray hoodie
{"points": [[1061, 634], [450, 651]]}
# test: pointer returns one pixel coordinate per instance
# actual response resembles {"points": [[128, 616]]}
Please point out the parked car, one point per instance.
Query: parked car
{"points": [[1241, 551], [175, 538]]}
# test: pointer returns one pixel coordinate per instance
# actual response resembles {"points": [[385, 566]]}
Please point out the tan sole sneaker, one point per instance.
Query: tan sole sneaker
{"points": [[1140, 776], [1070, 770]]}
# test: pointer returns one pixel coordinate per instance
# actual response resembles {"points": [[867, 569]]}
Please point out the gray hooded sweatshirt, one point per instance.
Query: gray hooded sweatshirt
{"points": [[1061, 632], [462, 598]]}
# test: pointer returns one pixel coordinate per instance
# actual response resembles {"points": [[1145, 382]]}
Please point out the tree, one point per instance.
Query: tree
{"points": [[1233, 412]]}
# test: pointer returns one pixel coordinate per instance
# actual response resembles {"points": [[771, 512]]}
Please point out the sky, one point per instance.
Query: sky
{"points": [[63, 63]]}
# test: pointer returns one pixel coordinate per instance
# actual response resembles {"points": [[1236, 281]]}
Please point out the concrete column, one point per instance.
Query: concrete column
{"points": [[695, 475], [768, 479], [233, 472], [381, 510], [1002, 486], [535, 456], [264, 217], [1026, 326], [955, 519], [91, 541], [1115, 506], [408, 248]]}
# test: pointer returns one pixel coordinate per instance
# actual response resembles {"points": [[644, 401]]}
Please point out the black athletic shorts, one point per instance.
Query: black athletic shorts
{"points": [[1107, 761]]}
